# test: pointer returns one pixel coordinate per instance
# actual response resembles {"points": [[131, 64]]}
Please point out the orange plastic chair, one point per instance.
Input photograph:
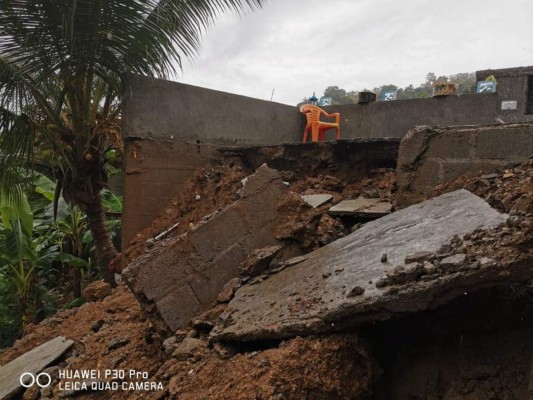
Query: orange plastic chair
{"points": [[318, 128]]}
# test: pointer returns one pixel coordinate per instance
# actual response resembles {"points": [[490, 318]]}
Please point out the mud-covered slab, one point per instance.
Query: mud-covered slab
{"points": [[362, 207], [337, 285], [30, 364]]}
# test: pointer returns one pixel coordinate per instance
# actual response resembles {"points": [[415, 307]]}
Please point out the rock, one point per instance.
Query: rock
{"points": [[419, 256], [316, 200], [229, 290], [224, 351], [187, 347], [384, 258], [170, 344], [180, 335], [453, 261], [97, 291], [259, 260], [96, 325], [356, 291], [117, 343]]}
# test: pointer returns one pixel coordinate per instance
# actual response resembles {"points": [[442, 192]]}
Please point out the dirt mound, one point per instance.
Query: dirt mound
{"points": [[333, 367]]}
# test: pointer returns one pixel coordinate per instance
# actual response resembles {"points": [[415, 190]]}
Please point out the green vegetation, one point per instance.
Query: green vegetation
{"points": [[43, 259], [63, 69]]}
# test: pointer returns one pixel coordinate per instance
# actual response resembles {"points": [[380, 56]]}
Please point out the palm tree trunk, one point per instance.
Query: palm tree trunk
{"points": [[105, 249]]}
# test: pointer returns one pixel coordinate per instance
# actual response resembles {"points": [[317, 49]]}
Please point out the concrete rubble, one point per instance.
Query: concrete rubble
{"points": [[346, 283], [31, 363], [182, 275], [362, 207]]}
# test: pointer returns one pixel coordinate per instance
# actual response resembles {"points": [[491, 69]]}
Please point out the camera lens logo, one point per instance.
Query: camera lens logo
{"points": [[27, 379]]}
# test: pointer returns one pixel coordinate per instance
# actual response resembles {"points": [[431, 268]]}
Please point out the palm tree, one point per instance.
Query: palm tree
{"points": [[63, 68]]}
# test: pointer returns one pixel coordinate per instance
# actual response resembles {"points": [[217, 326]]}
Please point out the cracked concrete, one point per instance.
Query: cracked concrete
{"points": [[182, 275], [336, 286]]}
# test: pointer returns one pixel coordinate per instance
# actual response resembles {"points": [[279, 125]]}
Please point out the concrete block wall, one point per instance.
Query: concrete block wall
{"points": [[184, 275], [429, 156], [395, 118], [171, 129]]}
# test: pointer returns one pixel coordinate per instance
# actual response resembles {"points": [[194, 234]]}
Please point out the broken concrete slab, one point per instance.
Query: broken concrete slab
{"points": [[317, 295], [362, 207], [30, 363], [183, 275], [316, 200]]}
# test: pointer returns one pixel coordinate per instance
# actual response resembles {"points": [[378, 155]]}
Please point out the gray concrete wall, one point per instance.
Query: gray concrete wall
{"points": [[174, 111], [512, 85], [395, 118], [430, 156]]}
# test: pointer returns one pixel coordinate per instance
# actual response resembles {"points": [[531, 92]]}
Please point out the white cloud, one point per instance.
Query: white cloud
{"points": [[298, 47]]}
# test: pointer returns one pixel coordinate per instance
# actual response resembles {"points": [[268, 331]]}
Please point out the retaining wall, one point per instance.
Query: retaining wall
{"points": [[430, 156]]}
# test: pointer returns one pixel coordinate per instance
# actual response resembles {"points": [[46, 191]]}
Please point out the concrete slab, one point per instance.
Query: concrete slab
{"points": [[316, 200], [362, 207], [335, 287], [32, 362], [182, 275]]}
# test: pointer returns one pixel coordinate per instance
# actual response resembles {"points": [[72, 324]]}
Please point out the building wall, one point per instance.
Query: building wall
{"points": [[171, 129], [430, 156], [395, 118]]}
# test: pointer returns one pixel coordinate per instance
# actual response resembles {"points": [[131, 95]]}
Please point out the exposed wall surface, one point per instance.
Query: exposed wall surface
{"points": [[430, 156], [512, 86], [170, 129], [395, 118], [175, 111], [181, 277], [155, 170]]}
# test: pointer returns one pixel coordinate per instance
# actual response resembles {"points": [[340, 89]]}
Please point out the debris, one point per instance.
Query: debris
{"points": [[316, 200], [456, 213], [229, 290], [30, 363], [356, 291], [259, 260], [419, 256], [187, 347], [117, 343], [384, 258], [167, 232], [362, 207], [97, 291]]}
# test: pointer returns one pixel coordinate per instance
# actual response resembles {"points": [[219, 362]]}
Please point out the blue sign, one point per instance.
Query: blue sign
{"points": [[389, 95], [486, 87], [325, 101]]}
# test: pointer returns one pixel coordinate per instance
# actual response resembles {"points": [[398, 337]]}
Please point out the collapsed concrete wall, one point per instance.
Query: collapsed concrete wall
{"points": [[156, 170], [429, 156], [178, 278]]}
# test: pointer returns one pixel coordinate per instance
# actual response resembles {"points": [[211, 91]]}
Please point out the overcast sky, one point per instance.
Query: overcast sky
{"points": [[298, 47]]}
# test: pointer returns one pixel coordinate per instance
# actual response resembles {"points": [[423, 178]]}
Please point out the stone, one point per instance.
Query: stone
{"points": [[362, 207], [259, 260], [187, 347], [97, 325], [97, 291], [170, 344], [453, 261], [356, 291], [33, 361], [316, 200], [117, 343], [268, 310], [229, 290], [419, 256]]}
